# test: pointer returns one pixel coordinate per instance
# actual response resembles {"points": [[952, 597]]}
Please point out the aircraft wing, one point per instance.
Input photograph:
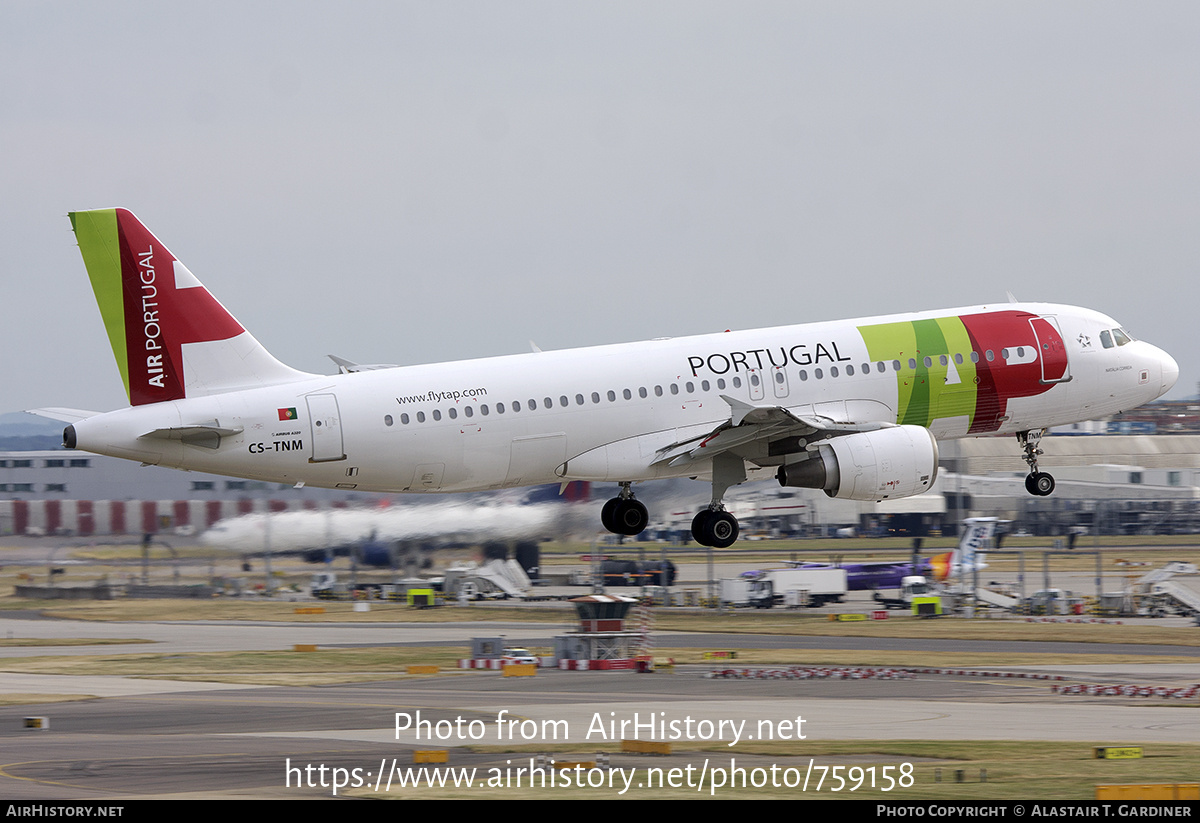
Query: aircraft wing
{"points": [[749, 424]]}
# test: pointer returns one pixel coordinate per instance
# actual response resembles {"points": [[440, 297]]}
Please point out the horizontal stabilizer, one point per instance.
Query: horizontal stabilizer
{"points": [[64, 415], [350, 367]]}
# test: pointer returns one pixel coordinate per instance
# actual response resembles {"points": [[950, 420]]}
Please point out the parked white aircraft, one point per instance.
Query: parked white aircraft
{"points": [[308, 530], [853, 407]]}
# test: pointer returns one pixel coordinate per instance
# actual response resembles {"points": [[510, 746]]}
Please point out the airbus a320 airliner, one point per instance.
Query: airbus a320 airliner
{"points": [[853, 407]]}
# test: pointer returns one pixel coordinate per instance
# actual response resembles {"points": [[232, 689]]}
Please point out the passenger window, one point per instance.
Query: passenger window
{"points": [[595, 397], [754, 381], [704, 385], [817, 373], [563, 401], [642, 392], [928, 362], [627, 394], [990, 356], [404, 419], [943, 360], [452, 413], [612, 396], [737, 382], [387, 420], [658, 391], [547, 403], [691, 387], [579, 400], [779, 377], [912, 364], [483, 410], [516, 405], [849, 371], [803, 375], [674, 388], [420, 417], [532, 404], [895, 365], [437, 415], [1004, 354], [1021, 352], [499, 408], [469, 411], [958, 358], [833, 371], [721, 383], [881, 367]]}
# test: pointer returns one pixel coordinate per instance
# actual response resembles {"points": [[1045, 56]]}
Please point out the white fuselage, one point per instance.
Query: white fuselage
{"points": [[602, 413]]}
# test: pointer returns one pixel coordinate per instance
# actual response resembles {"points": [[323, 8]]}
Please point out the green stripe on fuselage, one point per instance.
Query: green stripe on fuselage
{"points": [[955, 399], [100, 245], [923, 394]]}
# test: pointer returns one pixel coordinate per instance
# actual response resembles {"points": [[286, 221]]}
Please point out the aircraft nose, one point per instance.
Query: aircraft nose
{"points": [[1170, 371]]}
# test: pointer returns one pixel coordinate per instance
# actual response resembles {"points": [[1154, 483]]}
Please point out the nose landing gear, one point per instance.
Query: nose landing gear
{"points": [[1038, 483]]}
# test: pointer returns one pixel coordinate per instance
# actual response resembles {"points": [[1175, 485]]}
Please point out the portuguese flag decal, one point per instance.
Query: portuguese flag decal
{"points": [[288, 414]]}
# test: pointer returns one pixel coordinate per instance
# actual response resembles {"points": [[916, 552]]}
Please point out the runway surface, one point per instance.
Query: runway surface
{"points": [[170, 738]]}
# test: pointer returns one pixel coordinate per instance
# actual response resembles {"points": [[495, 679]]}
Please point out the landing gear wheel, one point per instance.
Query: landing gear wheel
{"points": [[607, 518], [699, 523], [1029, 486], [715, 528], [630, 517], [1043, 484], [723, 529]]}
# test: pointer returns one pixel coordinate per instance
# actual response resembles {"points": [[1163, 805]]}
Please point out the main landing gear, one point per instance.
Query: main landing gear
{"points": [[714, 526], [1037, 483], [623, 514]]}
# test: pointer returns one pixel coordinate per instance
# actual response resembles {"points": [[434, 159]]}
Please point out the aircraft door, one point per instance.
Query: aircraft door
{"points": [[325, 428], [754, 380], [779, 381], [1052, 350]]}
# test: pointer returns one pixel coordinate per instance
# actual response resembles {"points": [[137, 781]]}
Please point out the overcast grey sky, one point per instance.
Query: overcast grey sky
{"points": [[408, 182]]}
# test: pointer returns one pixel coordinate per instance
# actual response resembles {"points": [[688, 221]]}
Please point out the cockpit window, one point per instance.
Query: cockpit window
{"points": [[1121, 337], [1106, 339]]}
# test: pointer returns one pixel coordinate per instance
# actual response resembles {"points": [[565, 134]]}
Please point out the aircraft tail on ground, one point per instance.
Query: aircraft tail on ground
{"points": [[977, 531], [171, 338], [969, 553]]}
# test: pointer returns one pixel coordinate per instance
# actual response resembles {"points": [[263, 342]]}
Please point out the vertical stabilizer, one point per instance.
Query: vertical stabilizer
{"points": [[977, 531], [171, 338]]}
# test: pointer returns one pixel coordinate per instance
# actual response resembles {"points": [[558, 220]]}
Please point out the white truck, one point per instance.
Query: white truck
{"points": [[791, 587]]}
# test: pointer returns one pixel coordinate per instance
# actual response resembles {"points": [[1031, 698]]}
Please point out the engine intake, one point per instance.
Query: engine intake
{"points": [[898, 461]]}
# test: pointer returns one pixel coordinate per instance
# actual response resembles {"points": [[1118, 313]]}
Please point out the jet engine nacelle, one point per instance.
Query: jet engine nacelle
{"points": [[898, 461]]}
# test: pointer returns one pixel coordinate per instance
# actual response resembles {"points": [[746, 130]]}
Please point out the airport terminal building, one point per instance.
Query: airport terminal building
{"points": [[70, 492]]}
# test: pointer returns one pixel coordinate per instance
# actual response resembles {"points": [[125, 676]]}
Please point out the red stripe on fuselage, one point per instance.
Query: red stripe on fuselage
{"points": [[998, 381]]}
